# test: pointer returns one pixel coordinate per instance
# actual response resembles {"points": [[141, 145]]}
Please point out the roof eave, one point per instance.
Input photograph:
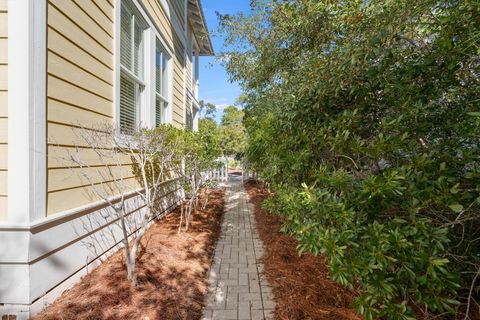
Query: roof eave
{"points": [[200, 29]]}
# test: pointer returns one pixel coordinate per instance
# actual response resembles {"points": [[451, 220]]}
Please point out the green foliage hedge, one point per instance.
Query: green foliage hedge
{"points": [[365, 118]]}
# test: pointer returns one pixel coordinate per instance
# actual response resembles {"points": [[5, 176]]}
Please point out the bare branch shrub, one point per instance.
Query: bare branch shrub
{"points": [[126, 173]]}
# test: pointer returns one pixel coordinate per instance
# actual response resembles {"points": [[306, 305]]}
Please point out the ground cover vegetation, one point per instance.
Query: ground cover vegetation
{"points": [[364, 119], [300, 284]]}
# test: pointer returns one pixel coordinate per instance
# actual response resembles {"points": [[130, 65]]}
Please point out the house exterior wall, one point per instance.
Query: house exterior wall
{"points": [[189, 64], [61, 231], [179, 83], [80, 80], [168, 29], [178, 8], [3, 109], [188, 80], [80, 85]]}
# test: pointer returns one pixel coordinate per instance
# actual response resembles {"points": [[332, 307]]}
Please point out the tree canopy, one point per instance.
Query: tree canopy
{"points": [[232, 131], [232, 115], [365, 118], [229, 136]]}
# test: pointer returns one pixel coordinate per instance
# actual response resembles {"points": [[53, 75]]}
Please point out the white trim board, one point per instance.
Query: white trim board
{"points": [[27, 187]]}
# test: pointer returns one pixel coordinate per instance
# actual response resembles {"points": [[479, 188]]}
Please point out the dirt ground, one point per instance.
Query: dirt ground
{"points": [[172, 272], [300, 284]]}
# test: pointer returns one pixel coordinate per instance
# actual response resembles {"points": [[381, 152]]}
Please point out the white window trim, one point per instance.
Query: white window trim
{"points": [[147, 100], [168, 98]]}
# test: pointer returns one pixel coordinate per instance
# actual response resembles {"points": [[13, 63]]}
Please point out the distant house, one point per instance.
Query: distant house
{"points": [[67, 62]]}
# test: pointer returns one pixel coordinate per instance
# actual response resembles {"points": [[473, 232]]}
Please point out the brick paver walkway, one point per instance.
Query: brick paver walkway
{"points": [[238, 290]]}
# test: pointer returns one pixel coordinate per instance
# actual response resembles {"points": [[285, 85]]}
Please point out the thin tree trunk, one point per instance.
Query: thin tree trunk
{"points": [[128, 257], [206, 200], [187, 216], [181, 216], [134, 250]]}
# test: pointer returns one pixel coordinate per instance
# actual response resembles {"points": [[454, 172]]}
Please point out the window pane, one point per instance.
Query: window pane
{"points": [[158, 62], [138, 51], [189, 119], [164, 91], [161, 69], [126, 39], [128, 105], [159, 108]]}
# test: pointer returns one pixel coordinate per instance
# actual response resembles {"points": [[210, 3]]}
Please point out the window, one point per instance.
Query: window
{"points": [[161, 86], [132, 67], [189, 116], [144, 71]]}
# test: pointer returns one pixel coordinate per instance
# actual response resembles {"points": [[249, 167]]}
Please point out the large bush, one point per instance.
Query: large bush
{"points": [[364, 117]]}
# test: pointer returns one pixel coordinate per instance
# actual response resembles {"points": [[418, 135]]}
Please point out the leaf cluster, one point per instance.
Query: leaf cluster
{"points": [[363, 116]]}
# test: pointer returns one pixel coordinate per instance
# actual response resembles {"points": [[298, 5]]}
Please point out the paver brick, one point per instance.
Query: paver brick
{"points": [[225, 315], [237, 289], [244, 310]]}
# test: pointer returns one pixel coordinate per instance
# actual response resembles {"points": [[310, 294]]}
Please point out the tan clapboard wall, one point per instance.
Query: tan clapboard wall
{"points": [[80, 92], [80, 79], [178, 83], [166, 28], [3, 108], [178, 7], [189, 60]]}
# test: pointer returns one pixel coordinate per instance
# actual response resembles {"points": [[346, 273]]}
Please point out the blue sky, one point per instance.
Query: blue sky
{"points": [[214, 85]]}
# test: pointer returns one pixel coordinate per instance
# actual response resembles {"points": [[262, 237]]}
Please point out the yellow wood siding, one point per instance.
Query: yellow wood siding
{"points": [[178, 7], [63, 179], [77, 197], [3, 24], [80, 88], [178, 84], [166, 29], [3, 109], [59, 153], [79, 91], [106, 8], [189, 65]]}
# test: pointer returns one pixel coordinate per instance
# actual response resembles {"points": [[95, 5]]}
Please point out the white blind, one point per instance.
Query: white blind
{"points": [[126, 38], [138, 50], [158, 66], [132, 62], [128, 105], [164, 90], [161, 82]]}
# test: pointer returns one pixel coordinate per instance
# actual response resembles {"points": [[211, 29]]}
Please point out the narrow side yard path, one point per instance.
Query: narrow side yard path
{"points": [[237, 287]]}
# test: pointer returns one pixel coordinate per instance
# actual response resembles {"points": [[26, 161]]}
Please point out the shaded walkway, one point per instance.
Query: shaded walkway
{"points": [[238, 290]]}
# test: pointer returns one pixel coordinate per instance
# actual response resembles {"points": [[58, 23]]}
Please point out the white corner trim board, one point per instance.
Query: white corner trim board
{"points": [[26, 110]]}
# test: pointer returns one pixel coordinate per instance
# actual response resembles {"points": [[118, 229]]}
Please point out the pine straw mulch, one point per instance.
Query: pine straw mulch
{"points": [[172, 272], [300, 285]]}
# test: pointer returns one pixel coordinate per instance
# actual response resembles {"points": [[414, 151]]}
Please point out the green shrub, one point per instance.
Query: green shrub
{"points": [[364, 118]]}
